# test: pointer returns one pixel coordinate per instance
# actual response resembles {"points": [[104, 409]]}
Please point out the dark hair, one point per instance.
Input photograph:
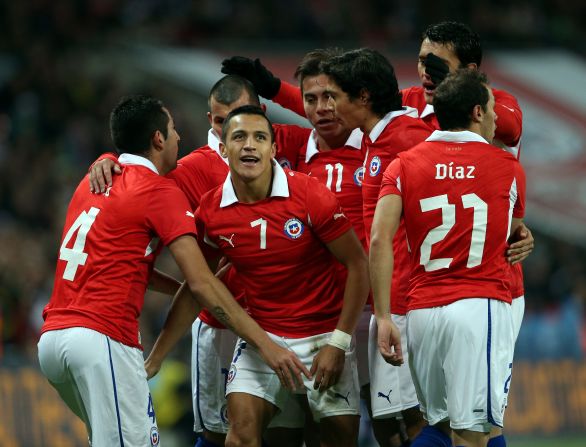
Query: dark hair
{"points": [[455, 98], [311, 63], [229, 88], [366, 69], [464, 41], [134, 121], [246, 110]]}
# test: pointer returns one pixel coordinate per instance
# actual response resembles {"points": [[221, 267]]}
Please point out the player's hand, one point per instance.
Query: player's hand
{"points": [[152, 367], [286, 364], [223, 266], [101, 174], [327, 367], [436, 68], [523, 245], [389, 341], [265, 83]]}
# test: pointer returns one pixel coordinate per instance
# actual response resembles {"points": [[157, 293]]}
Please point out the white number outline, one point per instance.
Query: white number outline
{"points": [[75, 256], [339, 171], [263, 231]]}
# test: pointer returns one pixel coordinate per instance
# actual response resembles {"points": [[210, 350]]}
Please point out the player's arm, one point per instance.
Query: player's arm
{"points": [[163, 283], [265, 82], [509, 123], [387, 218], [328, 364], [211, 293], [100, 173], [522, 244]]}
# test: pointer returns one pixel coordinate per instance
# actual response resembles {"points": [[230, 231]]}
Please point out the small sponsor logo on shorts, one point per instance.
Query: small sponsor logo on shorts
{"points": [[387, 397], [224, 413], [231, 374], [155, 436], [341, 396], [374, 167], [359, 176], [293, 228]]}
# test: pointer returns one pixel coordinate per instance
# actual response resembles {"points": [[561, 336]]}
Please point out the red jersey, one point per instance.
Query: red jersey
{"points": [[108, 249], [459, 194], [509, 116], [396, 132], [341, 170], [277, 245]]}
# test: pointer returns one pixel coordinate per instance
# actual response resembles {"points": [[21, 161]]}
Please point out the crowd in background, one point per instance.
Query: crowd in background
{"points": [[53, 124]]}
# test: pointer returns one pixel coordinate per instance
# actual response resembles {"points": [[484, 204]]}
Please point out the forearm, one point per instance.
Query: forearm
{"points": [[289, 96], [163, 283], [355, 295], [381, 261], [183, 312]]}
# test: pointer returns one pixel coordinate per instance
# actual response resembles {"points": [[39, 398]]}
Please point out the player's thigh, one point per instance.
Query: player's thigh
{"points": [[479, 337], [212, 351], [426, 347], [249, 416]]}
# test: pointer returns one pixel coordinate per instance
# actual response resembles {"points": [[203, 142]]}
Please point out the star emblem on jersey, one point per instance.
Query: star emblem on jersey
{"points": [[231, 374], [374, 167], [359, 176], [227, 239], [293, 228]]}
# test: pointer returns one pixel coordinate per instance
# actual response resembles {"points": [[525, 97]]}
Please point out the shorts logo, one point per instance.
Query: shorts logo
{"points": [[342, 397], [224, 414], [387, 397], [374, 167], [154, 436], [359, 176], [231, 374], [284, 163], [293, 228]]}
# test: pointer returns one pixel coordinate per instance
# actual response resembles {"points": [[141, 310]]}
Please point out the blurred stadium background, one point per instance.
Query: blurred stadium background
{"points": [[65, 63]]}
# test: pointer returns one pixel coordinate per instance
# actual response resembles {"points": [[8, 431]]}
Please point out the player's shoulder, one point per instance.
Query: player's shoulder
{"points": [[407, 130], [290, 129], [212, 198], [197, 155]]}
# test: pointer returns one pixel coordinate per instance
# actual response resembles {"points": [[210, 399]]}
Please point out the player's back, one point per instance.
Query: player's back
{"points": [[108, 249], [458, 200]]}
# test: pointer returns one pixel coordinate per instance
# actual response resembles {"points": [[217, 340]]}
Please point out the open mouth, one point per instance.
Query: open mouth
{"points": [[249, 160], [429, 87]]}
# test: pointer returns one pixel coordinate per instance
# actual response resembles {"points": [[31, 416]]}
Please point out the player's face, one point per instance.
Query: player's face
{"points": [[489, 121], [170, 144], [346, 110], [218, 111], [319, 114], [249, 148], [444, 52]]}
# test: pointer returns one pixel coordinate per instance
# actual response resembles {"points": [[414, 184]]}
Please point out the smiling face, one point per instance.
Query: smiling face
{"points": [[444, 52], [317, 111], [249, 148]]}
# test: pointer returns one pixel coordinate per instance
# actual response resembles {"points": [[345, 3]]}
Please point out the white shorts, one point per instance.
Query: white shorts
{"points": [[211, 357], [391, 387], [250, 374], [361, 336], [104, 383], [518, 309], [459, 358]]}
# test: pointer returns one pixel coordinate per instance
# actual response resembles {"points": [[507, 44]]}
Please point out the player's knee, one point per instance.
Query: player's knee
{"points": [[242, 433], [339, 431]]}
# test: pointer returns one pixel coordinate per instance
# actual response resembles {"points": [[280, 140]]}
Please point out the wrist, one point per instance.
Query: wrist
{"points": [[341, 340]]}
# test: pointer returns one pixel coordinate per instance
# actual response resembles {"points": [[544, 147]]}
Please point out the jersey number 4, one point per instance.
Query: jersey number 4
{"points": [[438, 233], [75, 256]]}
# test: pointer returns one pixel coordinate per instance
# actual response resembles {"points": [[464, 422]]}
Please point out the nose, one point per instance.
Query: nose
{"points": [[323, 106], [330, 104]]}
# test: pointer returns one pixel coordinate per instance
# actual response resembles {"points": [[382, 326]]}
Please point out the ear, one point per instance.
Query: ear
{"points": [[210, 117], [273, 150], [157, 140], [364, 96], [223, 150], [477, 113]]}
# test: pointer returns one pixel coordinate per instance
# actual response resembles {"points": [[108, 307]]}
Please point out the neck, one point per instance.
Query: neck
{"points": [[332, 143], [255, 190], [369, 123]]}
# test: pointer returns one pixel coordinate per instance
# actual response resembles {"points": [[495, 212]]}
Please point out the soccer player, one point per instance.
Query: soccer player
{"points": [[198, 172], [461, 199], [282, 231], [364, 93], [90, 347]]}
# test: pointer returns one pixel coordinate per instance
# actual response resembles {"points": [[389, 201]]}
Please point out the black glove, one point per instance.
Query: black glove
{"points": [[436, 68], [265, 83]]}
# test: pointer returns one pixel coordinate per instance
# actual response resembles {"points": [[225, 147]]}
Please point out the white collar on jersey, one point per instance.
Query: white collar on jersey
{"points": [[214, 143], [464, 136], [354, 141], [384, 122], [428, 110], [133, 159], [280, 186]]}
